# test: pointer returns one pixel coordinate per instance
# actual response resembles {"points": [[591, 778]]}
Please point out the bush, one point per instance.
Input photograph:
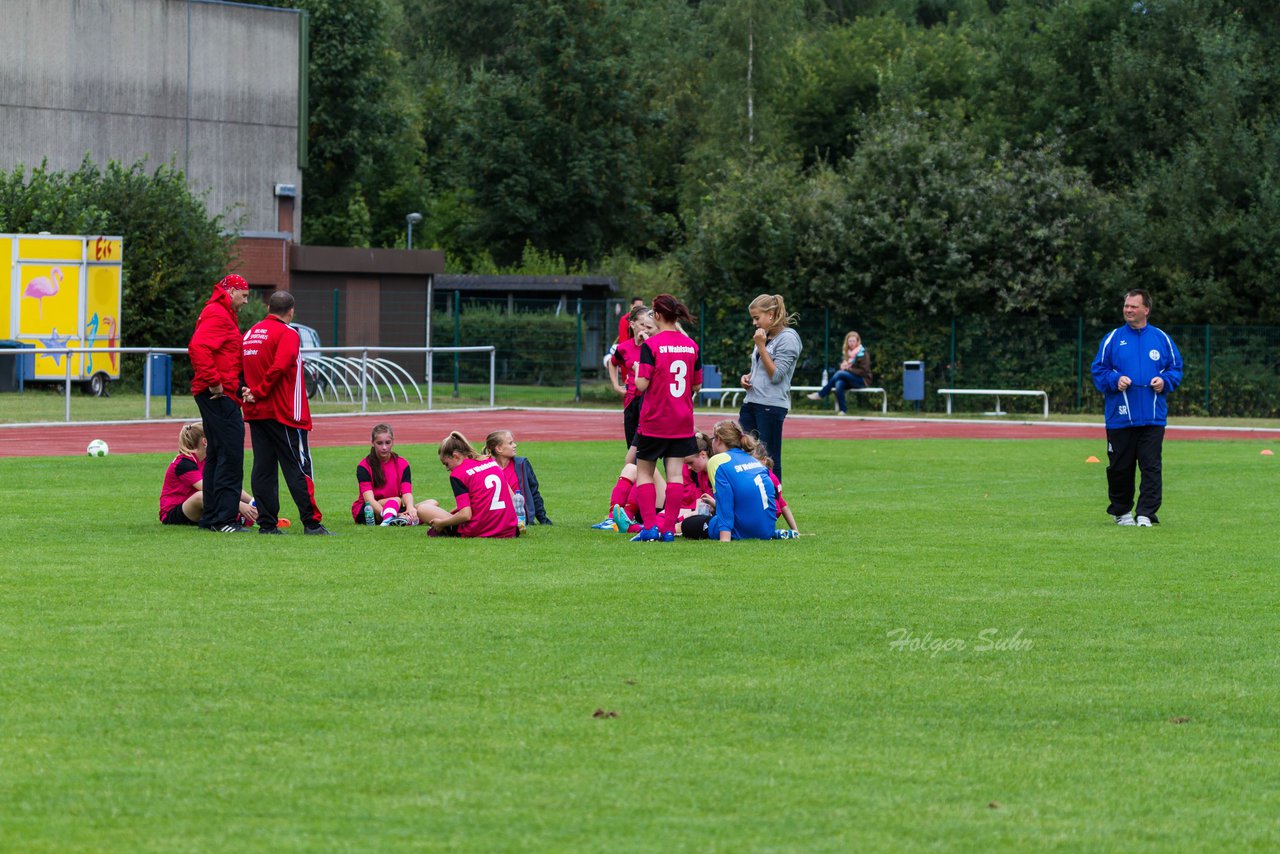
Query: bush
{"points": [[534, 347]]}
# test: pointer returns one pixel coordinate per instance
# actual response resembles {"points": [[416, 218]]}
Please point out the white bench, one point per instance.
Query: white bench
{"points": [[734, 395], [997, 393]]}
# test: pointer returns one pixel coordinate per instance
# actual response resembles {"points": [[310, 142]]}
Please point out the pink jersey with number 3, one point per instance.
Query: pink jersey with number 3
{"points": [[482, 486], [671, 363]]}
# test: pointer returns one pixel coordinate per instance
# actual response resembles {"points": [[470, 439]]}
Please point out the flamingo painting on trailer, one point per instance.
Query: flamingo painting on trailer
{"points": [[110, 322], [44, 286]]}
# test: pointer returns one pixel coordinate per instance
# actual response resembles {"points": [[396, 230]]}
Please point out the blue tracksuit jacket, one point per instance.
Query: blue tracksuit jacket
{"points": [[1140, 355]]}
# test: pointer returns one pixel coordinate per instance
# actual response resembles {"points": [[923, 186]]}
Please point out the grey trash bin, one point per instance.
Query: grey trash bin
{"points": [[913, 381], [14, 367]]}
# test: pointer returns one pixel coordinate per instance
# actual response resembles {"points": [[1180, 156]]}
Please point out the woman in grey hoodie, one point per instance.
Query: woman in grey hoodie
{"points": [[768, 384]]}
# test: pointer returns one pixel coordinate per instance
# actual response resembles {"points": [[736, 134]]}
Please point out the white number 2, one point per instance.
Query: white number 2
{"points": [[764, 496], [495, 483], [678, 370]]}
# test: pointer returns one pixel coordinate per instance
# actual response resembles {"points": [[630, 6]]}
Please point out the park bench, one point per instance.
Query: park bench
{"points": [[733, 396], [997, 393]]}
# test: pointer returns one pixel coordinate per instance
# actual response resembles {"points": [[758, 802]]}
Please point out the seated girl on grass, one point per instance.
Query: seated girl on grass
{"points": [[746, 503], [384, 484], [761, 453], [696, 497], [501, 447], [485, 505], [182, 494]]}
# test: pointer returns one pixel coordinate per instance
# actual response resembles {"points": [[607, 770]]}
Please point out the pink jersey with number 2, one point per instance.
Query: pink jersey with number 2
{"points": [[482, 486]]}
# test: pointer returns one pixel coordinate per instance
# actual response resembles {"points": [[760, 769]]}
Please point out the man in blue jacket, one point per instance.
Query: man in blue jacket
{"points": [[1136, 368]]}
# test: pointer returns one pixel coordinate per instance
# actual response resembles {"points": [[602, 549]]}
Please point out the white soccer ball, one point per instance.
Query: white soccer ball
{"points": [[97, 448]]}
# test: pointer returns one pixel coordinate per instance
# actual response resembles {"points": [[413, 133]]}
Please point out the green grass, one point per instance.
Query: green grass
{"points": [[171, 689]]}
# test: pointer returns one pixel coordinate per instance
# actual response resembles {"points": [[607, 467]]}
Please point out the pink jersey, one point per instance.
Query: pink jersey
{"points": [[509, 474], [482, 485], [695, 486], [671, 363], [180, 482], [396, 480], [777, 489], [625, 357]]}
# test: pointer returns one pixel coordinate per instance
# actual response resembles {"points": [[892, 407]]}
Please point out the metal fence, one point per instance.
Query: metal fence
{"points": [[1229, 371]]}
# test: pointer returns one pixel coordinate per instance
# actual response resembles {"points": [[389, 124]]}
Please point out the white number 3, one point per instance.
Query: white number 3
{"points": [[678, 370]]}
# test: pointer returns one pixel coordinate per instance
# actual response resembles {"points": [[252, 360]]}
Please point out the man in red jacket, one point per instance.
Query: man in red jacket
{"points": [[217, 387], [279, 417]]}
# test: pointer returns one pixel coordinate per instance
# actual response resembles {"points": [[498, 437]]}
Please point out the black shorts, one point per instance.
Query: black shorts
{"points": [[175, 516], [652, 448], [631, 419], [695, 527]]}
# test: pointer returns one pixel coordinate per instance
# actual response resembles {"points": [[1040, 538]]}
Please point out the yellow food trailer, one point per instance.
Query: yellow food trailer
{"points": [[64, 291]]}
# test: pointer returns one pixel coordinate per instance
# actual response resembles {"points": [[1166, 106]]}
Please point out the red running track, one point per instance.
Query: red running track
{"points": [[531, 425]]}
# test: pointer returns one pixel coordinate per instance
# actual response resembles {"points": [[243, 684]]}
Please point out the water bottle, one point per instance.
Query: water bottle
{"points": [[520, 517], [824, 378]]}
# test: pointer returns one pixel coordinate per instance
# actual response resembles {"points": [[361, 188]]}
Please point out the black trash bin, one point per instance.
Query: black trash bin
{"points": [[13, 364]]}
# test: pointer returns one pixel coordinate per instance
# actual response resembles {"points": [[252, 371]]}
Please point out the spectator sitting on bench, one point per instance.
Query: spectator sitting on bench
{"points": [[854, 372]]}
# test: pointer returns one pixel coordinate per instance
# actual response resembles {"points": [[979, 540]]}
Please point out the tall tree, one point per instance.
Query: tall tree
{"points": [[546, 140], [365, 148]]}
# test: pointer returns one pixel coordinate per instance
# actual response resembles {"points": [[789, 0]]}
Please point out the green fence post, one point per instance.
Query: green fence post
{"points": [[1207, 352], [953, 351], [577, 358], [335, 319], [457, 336], [1079, 361], [826, 340]]}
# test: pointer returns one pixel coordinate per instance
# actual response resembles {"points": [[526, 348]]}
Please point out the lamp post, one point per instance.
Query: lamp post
{"points": [[412, 219]]}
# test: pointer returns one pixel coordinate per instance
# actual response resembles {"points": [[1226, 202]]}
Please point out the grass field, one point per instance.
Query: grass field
{"points": [[961, 654]]}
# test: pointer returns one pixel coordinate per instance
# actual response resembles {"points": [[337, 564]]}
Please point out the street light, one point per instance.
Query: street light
{"points": [[412, 219]]}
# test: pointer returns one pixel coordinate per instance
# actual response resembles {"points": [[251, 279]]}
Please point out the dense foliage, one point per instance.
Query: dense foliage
{"points": [[882, 158], [936, 156]]}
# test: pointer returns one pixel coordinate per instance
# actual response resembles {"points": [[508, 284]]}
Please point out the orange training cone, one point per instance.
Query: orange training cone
{"points": [[282, 523], [1093, 460], [1266, 452]]}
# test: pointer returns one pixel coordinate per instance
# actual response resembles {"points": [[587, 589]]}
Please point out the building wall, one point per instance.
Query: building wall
{"points": [[210, 87]]}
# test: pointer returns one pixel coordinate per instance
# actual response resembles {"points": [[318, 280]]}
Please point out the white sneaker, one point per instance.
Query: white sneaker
{"points": [[1126, 521], [813, 395], [1144, 522]]}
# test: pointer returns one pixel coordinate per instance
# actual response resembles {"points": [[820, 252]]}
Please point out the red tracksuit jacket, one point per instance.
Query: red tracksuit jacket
{"points": [[273, 372], [215, 347]]}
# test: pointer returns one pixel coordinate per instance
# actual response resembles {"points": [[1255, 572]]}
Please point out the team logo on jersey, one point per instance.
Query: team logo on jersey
{"points": [[1155, 355], [1123, 409], [1123, 342]]}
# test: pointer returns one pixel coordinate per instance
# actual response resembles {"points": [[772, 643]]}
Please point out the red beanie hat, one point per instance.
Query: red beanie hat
{"points": [[233, 283]]}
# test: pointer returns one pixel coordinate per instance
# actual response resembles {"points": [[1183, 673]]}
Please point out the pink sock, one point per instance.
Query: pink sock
{"points": [[647, 501], [671, 507], [620, 492]]}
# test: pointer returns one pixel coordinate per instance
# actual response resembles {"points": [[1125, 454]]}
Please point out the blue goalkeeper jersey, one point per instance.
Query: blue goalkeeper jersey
{"points": [[746, 503]]}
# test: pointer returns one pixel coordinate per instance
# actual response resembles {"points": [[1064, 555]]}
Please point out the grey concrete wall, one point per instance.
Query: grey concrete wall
{"points": [[209, 87]]}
